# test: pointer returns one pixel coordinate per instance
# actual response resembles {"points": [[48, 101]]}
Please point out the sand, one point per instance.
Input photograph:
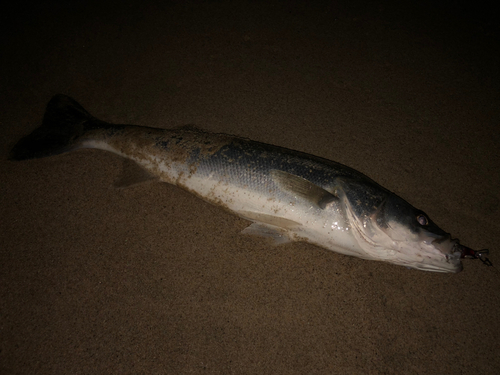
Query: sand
{"points": [[150, 279]]}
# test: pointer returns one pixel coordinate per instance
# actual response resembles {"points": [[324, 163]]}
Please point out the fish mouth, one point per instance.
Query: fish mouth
{"points": [[454, 258], [453, 250], [449, 248], [446, 245]]}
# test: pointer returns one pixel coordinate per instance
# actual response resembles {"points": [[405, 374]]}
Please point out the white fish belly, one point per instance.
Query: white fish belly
{"points": [[300, 222]]}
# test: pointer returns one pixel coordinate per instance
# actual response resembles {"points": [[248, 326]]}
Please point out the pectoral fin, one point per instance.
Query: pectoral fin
{"points": [[303, 188]]}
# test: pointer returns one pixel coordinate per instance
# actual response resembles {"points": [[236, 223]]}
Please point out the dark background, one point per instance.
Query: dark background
{"points": [[153, 280]]}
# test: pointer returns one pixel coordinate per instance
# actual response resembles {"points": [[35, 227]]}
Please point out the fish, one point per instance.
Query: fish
{"points": [[286, 195]]}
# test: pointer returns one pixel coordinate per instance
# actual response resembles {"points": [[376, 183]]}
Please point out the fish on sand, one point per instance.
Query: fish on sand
{"points": [[286, 195]]}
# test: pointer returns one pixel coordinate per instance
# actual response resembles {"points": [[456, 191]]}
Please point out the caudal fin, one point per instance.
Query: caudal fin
{"points": [[63, 123]]}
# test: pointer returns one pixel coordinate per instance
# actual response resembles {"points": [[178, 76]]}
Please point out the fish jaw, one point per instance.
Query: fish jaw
{"points": [[426, 255]]}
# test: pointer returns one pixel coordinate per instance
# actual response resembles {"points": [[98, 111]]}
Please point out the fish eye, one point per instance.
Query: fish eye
{"points": [[422, 219]]}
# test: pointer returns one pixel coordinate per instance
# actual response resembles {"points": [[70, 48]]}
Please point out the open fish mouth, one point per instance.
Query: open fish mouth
{"points": [[446, 245], [454, 256]]}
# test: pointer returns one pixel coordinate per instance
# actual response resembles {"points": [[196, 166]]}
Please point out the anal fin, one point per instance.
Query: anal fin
{"points": [[277, 235], [274, 221], [132, 174]]}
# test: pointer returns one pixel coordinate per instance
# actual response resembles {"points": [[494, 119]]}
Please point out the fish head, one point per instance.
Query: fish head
{"points": [[396, 232]]}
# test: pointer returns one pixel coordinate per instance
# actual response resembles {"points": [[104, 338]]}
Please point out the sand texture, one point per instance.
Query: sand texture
{"points": [[152, 280]]}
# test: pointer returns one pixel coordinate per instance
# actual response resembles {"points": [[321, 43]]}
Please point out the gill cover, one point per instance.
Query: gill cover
{"points": [[395, 231]]}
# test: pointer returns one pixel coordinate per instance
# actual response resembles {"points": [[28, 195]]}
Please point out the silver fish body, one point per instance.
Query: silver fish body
{"points": [[288, 195]]}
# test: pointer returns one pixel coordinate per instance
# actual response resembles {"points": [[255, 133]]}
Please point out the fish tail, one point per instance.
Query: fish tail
{"points": [[63, 123]]}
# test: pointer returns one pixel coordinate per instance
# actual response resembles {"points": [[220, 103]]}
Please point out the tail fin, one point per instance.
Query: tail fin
{"points": [[63, 123]]}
